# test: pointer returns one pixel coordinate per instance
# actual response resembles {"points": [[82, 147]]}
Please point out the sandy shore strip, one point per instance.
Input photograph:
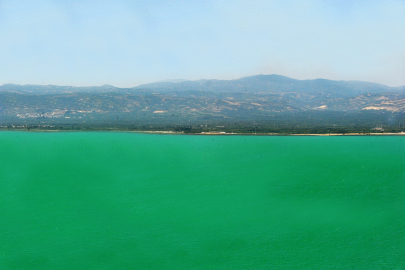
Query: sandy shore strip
{"points": [[209, 133]]}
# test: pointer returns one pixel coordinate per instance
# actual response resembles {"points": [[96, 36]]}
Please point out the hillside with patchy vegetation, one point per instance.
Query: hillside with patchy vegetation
{"points": [[264, 103]]}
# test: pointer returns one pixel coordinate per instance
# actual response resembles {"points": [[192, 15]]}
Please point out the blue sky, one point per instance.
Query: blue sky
{"points": [[127, 43]]}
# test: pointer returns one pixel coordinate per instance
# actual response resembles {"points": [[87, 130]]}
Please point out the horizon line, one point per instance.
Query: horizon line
{"points": [[184, 80]]}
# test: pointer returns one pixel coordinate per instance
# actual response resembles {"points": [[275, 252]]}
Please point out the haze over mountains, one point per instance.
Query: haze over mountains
{"points": [[271, 100], [259, 84], [262, 84]]}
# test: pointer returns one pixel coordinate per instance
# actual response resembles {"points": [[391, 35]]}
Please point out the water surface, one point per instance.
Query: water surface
{"points": [[134, 201]]}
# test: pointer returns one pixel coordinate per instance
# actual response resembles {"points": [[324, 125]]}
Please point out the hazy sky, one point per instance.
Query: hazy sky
{"points": [[126, 43]]}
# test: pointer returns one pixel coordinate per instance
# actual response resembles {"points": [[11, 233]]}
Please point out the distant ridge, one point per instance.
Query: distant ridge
{"points": [[54, 89], [252, 84], [274, 84]]}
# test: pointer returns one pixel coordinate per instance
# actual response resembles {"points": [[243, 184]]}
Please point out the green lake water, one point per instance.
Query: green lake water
{"points": [[135, 201]]}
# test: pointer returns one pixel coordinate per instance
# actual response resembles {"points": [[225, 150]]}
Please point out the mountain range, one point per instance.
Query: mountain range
{"points": [[259, 84], [262, 100]]}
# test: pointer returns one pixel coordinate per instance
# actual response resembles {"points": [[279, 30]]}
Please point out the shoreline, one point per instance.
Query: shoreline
{"points": [[162, 132]]}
